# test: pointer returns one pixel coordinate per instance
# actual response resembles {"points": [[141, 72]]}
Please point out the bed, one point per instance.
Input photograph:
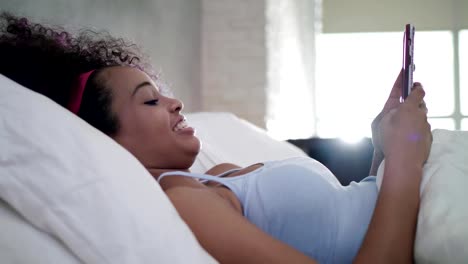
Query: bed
{"points": [[69, 194]]}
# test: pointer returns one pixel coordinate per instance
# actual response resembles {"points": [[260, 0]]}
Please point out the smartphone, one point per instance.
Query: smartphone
{"points": [[408, 60]]}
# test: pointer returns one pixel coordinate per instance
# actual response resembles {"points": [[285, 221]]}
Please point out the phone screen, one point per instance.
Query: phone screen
{"points": [[408, 60]]}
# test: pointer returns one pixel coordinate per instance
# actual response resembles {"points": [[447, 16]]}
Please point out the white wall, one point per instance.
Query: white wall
{"points": [[167, 30]]}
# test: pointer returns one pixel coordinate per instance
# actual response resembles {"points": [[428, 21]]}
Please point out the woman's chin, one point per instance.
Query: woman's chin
{"points": [[192, 147], [197, 146]]}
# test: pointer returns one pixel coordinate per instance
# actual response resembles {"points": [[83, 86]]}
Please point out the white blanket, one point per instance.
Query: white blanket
{"points": [[442, 232]]}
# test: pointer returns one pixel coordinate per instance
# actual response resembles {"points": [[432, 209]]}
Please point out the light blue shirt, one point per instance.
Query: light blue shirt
{"points": [[300, 202]]}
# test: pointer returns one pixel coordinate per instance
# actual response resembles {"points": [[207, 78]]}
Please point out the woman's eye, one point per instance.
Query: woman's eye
{"points": [[152, 102]]}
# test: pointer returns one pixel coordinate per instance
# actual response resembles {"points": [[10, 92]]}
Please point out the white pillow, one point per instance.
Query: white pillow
{"points": [[442, 232], [229, 139], [80, 187], [23, 243]]}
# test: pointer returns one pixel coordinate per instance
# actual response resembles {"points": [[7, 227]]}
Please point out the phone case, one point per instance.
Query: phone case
{"points": [[408, 60]]}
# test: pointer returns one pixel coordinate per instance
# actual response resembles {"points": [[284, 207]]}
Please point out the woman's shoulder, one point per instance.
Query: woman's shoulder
{"points": [[221, 168]]}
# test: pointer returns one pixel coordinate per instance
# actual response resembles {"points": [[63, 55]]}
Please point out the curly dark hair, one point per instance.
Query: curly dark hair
{"points": [[49, 59]]}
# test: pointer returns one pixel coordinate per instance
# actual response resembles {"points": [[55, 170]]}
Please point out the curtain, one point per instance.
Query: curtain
{"points": [[291, 27]]}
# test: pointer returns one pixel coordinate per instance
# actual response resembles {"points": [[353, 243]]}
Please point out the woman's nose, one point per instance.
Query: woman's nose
{"points": [[176, 105]]}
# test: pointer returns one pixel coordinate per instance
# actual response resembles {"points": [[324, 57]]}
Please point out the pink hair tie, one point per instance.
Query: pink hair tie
{"points": [[77, 92]]}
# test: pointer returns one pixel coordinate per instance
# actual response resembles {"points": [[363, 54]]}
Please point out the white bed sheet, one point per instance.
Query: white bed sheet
{"points": [[442, 232], [227, 138], [23, 243]]}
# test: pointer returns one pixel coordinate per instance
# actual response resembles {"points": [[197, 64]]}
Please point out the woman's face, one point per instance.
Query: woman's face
{"points": [[151, 125]]}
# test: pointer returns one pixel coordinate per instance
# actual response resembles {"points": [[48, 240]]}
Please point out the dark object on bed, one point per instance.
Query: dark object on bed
{"points": [[349, 162]]}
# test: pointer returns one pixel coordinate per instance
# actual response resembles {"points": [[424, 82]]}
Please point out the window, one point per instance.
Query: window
{"points": [[463, 51], [355, 72]]}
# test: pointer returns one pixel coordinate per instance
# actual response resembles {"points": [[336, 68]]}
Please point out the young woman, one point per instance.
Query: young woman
{"points": [[289, 211]]}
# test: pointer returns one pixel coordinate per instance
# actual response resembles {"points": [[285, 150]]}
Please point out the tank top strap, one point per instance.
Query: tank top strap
{"points": [[204, 177]]}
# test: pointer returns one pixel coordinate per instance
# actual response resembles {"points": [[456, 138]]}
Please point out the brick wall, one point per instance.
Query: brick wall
{"points": [[233, 58]]}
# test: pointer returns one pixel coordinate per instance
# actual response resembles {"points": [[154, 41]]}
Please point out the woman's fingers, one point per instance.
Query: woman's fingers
{"points": [[395, 94], [416, 96], [396, 89], [422, 105], [416, 84]]}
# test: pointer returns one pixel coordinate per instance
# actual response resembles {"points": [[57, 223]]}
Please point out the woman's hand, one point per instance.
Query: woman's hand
{"points": [[393, 102], [404, 131], [404, 137]]}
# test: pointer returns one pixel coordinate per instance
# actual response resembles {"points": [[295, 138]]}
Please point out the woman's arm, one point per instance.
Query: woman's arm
{"points": [[406, 141], [377, 158], [230, 238], [393, 101], [226, 234], [390, 236]]}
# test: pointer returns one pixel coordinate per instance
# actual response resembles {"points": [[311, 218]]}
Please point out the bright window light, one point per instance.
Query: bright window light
{"points": [[464, 124], [294, 100], [444, 123], [463, 55], [355, 72]]}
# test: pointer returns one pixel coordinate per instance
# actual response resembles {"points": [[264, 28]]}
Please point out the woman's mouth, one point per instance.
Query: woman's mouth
{"points": [[181, 125]]}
